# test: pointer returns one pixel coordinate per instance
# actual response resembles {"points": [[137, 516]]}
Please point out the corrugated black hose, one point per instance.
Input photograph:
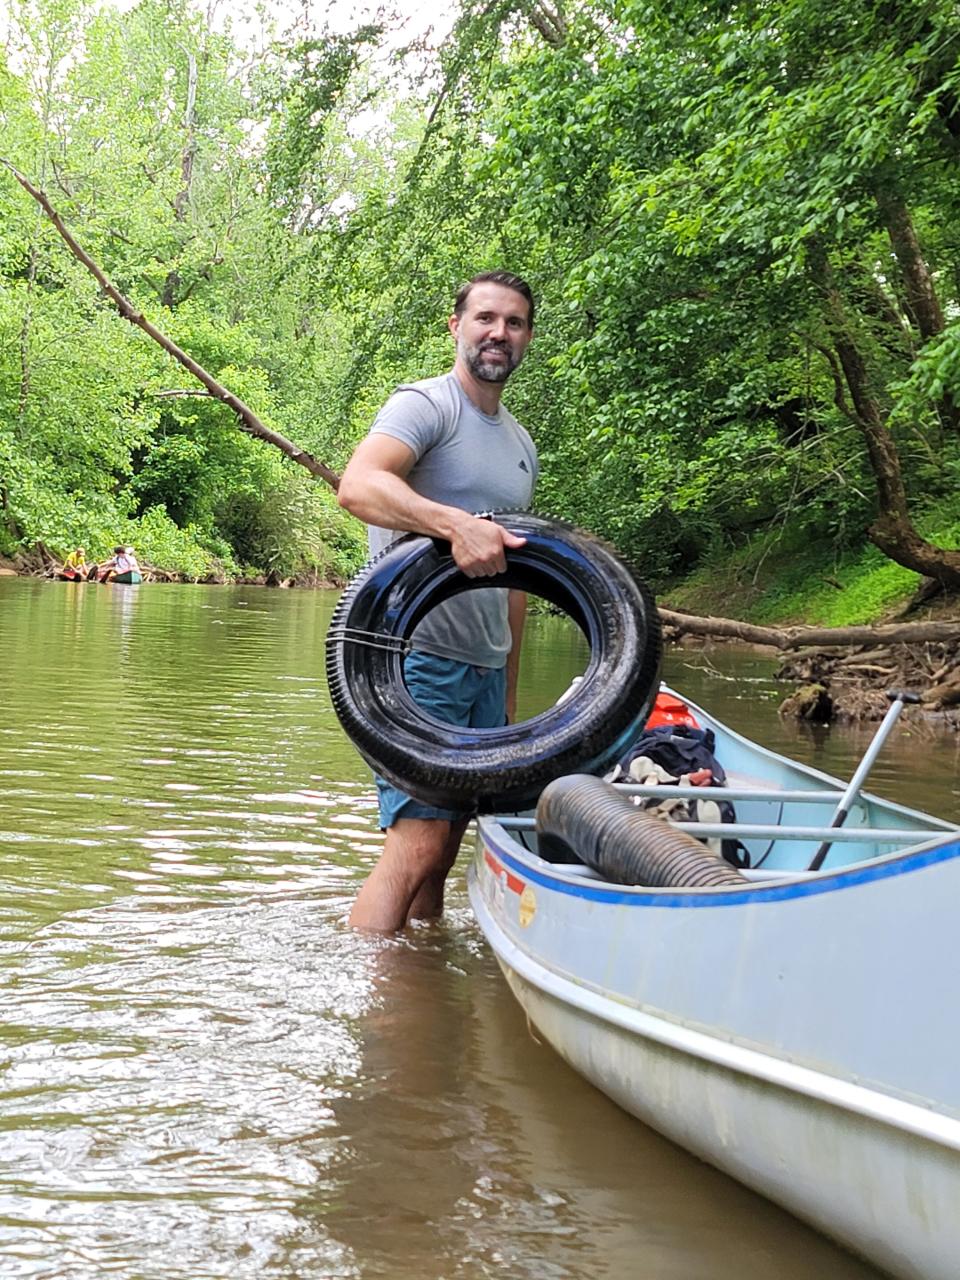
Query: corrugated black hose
{"points": [[582, 818]]}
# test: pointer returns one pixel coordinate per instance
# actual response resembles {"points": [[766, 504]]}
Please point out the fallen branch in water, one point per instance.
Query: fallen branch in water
{"points": [[820, 637], [851, 686]]}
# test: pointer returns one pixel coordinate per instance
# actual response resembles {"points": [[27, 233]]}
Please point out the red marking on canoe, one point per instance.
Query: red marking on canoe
{"points": [[512, 882]]}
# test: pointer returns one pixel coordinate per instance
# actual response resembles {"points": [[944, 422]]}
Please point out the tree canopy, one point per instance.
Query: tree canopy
{"points": [[739, 221]]}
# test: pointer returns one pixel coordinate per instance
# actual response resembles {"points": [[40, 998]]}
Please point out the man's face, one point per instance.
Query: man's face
{"points": [[493, 332]]}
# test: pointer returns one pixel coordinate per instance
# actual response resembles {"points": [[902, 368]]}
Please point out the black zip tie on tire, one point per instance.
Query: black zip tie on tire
{"points": [[372, 639]]}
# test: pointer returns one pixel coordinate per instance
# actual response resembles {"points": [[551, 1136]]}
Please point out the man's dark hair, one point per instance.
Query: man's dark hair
{"points": [[505, 278]]}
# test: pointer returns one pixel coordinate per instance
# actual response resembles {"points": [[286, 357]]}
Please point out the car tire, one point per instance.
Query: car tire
{"points": [[494, 770]]}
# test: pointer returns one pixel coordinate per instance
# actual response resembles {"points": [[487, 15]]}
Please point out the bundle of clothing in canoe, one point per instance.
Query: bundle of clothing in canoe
{"points": [[675, 750], [122, 566]]}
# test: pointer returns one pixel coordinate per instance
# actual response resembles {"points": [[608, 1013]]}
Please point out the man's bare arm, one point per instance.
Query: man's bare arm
{"points": [[374, 489]]}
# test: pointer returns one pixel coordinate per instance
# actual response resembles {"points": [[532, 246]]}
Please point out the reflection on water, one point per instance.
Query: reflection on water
{"points": [[477, 1148], [203, 1073]]}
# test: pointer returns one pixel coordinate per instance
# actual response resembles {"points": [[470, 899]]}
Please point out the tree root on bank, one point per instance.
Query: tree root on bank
{"points": [[844, 673], [855, 680]]}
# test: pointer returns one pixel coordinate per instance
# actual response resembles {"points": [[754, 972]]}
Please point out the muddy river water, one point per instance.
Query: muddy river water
{"points": [[204, 1073]]}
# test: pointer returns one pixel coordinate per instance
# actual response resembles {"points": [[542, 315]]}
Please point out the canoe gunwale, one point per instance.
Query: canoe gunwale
{"points": [[766, 831], [909, 1117], [929, 839], [940, 847]]}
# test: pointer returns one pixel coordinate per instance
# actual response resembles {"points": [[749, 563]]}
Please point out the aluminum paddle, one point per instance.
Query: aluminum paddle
{"points": [[898, 698]]}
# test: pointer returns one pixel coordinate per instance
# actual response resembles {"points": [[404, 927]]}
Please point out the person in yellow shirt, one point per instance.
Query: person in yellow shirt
{"points": [[75, 565]]}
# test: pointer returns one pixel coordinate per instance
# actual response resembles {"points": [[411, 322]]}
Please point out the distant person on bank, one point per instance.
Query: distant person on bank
{"points": [[76, 563], [123, 561], [439, 450]]}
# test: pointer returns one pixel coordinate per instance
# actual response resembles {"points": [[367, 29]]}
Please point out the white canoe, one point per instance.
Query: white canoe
{"points": [[799, 1031]]}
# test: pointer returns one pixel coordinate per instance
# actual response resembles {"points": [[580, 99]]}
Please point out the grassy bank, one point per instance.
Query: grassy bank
{"points": [[785, 579]]}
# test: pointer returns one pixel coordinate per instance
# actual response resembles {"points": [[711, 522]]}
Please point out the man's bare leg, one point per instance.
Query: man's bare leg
{"points": [[428, 904], [414, 850]]}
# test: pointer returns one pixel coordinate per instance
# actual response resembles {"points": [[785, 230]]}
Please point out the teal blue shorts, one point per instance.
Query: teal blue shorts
{"points": [[453, 691]]}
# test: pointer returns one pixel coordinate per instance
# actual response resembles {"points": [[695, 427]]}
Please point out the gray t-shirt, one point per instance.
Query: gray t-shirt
{"points": [[467, 459]]}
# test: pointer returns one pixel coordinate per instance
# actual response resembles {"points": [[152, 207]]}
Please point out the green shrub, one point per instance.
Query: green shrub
{"points": [[292, 527], [158, 541]]}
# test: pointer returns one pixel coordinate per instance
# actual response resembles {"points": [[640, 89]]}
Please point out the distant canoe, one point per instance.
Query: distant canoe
{"points": [[131, 576]]}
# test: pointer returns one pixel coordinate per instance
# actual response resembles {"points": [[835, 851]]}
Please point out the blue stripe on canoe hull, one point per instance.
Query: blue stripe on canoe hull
{"points": [[775, 892]]}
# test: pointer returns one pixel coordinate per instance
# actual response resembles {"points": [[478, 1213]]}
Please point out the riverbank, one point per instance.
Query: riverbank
{"points": [[781, 584], [35, 566], [781, 580]]}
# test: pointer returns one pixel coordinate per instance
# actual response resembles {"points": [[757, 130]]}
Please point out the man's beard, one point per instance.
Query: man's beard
{"points": [[477, 361]]}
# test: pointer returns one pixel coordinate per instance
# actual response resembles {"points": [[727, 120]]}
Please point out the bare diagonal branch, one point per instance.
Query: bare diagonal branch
{"points": [[248, 420]]}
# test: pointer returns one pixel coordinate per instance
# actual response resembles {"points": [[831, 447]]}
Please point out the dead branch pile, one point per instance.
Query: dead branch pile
{"points": [[855, 679]]}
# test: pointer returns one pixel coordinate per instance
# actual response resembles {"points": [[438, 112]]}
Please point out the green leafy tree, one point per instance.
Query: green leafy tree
{"points": [[151, 133], [745, 192]]}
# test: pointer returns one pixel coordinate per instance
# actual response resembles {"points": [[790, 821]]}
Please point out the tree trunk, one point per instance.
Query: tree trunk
{"points": [[171, 285], [8, 517], [190, 146], [23, 395], [921, 299], [549, 21], [921, 295], [892, 531], [27, 322]]}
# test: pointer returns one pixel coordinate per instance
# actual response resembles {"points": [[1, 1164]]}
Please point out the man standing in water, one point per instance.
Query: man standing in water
{"points": [[438, 451]]}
